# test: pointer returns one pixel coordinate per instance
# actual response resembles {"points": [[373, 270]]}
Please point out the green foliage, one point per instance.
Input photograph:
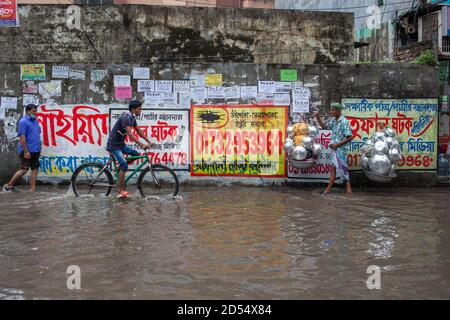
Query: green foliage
{"points": [[426, 57]]}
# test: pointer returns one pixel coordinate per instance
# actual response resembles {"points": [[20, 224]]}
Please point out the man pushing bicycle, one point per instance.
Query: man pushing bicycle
{"points": [[116, 141]]}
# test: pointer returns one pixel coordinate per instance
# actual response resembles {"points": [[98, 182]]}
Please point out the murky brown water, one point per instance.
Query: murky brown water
{"points": [[226, 243]]}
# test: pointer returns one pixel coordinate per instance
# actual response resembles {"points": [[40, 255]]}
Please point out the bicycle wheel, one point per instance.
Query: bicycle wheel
{"points": [[168, 182], [89, 179]]}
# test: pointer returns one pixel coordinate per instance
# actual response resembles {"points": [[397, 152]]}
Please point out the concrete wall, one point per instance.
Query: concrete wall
{"points": [[381, 39], [177, 34], [326, 82]]}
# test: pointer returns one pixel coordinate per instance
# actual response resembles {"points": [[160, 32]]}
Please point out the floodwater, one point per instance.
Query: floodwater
{"points": [[226, 243]]}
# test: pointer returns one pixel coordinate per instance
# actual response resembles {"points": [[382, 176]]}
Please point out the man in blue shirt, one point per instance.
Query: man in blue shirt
{"points": [[29, 148], [340, 136], [116, 141]]}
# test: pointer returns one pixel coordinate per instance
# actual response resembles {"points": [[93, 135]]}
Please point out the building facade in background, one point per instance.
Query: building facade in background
{"points": [[268, 4], [373, 22]]}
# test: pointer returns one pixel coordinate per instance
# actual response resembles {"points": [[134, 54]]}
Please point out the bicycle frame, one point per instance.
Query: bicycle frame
{"points": [[136, 170]]}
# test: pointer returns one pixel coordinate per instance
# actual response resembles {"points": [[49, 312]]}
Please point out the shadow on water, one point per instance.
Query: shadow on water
{"points": [[226, 243]]}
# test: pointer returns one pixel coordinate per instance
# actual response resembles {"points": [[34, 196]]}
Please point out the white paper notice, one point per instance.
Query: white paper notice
{"points": [[77, 74], [60, 72], [300, 105], [146, 85], [297, 85], [282, 99], [8, 102], [199, 94], [267, 87], [122, 81], [249, 92], [181, 86], [98, 75], [265, 99], [141, 73], [30, 99], [50, 89], [184, 100], [152, 98], [232, 92], [197, 80], [169, 98], [303, 93], [283, 87], [163, 85], [216, 93]]}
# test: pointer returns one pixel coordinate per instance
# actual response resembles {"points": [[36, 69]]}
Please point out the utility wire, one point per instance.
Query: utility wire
{"points": [[137, 37], [204, 57], [87, 37]]}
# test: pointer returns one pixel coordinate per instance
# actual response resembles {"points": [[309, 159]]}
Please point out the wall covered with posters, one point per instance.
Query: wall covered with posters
{"points": [[214, 121], [73, 134]]}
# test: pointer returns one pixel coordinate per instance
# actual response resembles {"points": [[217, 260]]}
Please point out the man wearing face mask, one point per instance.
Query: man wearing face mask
{"points": [[29, 148]]}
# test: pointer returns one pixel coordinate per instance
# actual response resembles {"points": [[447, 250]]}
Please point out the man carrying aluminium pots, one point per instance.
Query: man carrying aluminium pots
{"points": [[340, 136]]}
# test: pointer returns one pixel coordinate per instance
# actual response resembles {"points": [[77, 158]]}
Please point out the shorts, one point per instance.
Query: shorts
{"points": [[118, 154], [32, 163]]}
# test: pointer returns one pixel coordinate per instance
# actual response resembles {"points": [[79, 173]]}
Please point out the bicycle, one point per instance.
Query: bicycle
{"points": [[96, 178]]}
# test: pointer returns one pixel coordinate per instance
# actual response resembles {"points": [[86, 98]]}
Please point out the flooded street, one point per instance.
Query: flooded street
{"points": [[226, 243]]}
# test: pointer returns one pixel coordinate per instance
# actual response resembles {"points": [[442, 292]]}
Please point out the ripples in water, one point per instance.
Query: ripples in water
{"points": [[226, 243]]}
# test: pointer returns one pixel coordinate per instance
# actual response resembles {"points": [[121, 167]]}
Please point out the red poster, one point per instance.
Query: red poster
{"points": [[8, 13]]}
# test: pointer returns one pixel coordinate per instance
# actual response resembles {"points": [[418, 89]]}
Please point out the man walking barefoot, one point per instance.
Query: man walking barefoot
{"points": [[340, 136], [29, 148]]}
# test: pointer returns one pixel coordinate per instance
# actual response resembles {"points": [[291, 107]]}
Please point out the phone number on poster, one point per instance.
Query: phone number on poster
{"points": [[172, 158], [405, 161], [239, 142]]}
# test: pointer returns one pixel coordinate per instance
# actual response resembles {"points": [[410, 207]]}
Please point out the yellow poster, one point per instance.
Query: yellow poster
{"points": [[32, 72], [415, 122], [238, 140], [214, 80]]}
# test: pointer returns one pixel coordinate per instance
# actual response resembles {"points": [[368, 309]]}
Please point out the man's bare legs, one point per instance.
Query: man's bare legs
{"points": [[332, 180], [121, 182], [20, 173], [348, 186], [33, 178]]}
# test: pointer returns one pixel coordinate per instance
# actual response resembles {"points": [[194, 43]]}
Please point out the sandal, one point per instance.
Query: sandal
{"points": [[123, 194], [8, 189]]}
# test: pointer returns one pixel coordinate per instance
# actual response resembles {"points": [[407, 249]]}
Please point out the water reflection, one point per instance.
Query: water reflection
{"points": [[226, 243], [385, 234]]}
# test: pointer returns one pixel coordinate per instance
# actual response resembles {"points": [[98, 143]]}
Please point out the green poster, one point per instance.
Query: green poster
{"points": [[288, 75], [415, 122]]}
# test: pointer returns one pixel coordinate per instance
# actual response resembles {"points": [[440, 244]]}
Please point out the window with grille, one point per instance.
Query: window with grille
{"points": [[446, 44]]}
